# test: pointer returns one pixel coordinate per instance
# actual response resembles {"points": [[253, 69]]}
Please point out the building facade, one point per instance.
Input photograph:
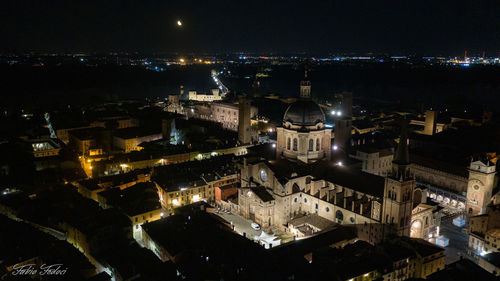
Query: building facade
{"points": [[214, 95]]}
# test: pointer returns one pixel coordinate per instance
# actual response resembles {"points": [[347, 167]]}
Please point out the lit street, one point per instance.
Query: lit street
{"points": [[458, 239]]}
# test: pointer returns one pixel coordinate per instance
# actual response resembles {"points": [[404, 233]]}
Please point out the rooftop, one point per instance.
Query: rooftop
{"points": [[194, 173], [493, 258], [312, 219], [86, 133], [136, 132], [438, 165], [345, 176], [262, 193], [137, 199], [463, 269], [495, 233]]}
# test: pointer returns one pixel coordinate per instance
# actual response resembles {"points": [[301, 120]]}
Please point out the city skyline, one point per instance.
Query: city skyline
{"points": [[250, 140]]}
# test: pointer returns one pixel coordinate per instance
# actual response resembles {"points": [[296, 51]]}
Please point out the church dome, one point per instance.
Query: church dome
{"points": [[304, 113]]}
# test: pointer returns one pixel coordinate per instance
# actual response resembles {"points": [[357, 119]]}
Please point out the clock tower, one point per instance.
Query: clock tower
{"points": [[482, 180]]}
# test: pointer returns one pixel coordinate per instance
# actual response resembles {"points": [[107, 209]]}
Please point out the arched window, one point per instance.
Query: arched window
{"points": [[311, 144], [317, 144], [288, 144], [294, 144]]}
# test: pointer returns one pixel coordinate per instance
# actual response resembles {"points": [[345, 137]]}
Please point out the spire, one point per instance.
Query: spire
{"points": [[402, 157]]}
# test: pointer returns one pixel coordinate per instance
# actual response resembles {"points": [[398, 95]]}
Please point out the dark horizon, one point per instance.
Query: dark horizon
{"points": [[314, 27]]}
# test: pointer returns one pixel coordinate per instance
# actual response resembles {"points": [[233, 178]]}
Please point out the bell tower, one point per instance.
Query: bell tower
{"points": [[305, 87], [399, 187], [482, 180]]}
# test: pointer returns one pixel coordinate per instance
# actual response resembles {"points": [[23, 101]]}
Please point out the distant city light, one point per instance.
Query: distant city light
{"points": [[333, 112], [339, 163], [274, 145], [339, 113], [179, 23], [335, 147], [162, 214]]}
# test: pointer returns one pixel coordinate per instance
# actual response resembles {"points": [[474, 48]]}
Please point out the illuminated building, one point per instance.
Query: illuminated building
{"points": [[480, 186], [303, 180], [214, 95], [376, 161], [128, 139], [303, 136], [189, 182], [426, 219]]}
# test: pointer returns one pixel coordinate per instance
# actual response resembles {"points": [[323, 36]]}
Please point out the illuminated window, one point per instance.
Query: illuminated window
{"points": [[295, 144], [288, 144]]}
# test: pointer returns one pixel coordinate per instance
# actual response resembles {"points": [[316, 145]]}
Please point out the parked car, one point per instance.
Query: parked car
{"points": [[255, 226]]}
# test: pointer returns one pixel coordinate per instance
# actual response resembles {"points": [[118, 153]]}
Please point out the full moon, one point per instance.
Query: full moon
{"points": [[179, 23]]}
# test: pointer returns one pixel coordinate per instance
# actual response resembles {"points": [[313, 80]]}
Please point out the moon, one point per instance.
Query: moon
{"points": [[179, 23]]}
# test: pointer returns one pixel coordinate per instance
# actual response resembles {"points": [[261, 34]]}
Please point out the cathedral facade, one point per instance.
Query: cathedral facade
{"points": [[302, 180]]}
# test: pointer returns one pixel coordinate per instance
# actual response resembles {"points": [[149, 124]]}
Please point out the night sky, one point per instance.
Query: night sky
{"points": [[445, 27]]}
